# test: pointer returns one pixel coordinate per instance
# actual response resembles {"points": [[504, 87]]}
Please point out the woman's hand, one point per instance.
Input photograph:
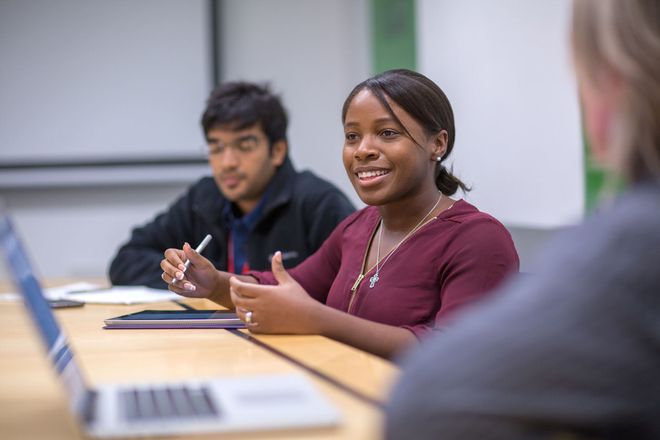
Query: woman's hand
{"points": [[199, 280], [285, 308]]}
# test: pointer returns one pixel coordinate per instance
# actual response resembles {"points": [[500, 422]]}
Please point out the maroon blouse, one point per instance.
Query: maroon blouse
{"points": [[451, 261]]}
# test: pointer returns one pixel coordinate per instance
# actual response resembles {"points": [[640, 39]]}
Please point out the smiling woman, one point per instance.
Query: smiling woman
{"points": [[425, 253]]}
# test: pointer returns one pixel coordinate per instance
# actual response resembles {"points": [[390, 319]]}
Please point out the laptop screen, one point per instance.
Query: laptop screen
{"points": [[39, 310]]}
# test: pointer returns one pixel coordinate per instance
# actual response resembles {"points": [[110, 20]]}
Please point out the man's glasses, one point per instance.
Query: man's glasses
{"points": [[242, 145]]}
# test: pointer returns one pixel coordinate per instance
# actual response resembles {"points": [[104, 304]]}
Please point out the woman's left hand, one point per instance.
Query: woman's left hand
{"points": [[285, 308]]}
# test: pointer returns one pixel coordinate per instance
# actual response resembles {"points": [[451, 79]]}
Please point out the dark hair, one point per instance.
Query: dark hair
{"points": [[422, 99], [242, 104]]}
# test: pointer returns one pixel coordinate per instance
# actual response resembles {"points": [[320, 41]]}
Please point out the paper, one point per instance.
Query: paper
{"points": [[53, 293], [96, 294], [60, 292], [9, 297], [123, 295]]}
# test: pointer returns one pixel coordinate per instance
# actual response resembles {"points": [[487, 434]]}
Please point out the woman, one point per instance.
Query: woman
{"points": [[574, 351], [394, 271]]}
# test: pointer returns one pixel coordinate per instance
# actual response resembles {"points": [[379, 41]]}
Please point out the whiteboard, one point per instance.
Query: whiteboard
{"points": [[88, 80]]}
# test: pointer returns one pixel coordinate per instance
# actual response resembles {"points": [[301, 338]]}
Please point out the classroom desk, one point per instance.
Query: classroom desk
{"points": [[34, 406]]}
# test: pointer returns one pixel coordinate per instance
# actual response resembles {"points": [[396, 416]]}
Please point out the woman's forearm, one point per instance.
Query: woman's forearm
{"points": [[380, 339]]}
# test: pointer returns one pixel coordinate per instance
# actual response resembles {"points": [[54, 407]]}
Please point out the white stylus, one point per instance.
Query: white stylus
{"points": [[199, 250]]}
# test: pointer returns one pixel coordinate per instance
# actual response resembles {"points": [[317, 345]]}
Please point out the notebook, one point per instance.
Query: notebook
{"points": [[248, 403]]}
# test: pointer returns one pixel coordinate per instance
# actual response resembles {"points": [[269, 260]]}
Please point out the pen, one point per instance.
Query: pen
{"points": [[199, 250]]}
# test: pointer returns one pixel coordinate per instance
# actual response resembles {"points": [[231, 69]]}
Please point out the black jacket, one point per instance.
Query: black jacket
{"points": [[300, 213]]}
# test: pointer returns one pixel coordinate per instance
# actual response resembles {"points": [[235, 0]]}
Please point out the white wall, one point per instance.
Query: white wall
{"points": [[74, 231], [313, 52], [505, 66]]}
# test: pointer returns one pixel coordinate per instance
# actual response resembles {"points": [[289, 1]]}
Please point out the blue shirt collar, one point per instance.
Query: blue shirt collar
{"points": [[249, 220]]}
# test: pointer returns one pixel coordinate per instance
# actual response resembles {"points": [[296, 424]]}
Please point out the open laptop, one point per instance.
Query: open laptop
{"points": [[229, 404]]}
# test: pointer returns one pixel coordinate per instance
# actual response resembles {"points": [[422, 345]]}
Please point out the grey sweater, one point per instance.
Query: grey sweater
{"points": [[571, 351]]}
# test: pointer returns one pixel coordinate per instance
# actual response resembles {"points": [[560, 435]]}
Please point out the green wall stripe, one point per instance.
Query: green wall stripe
{"points": [[393, 39], [595, 179]]}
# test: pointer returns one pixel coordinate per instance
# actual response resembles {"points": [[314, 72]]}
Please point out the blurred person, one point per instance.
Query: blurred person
{"points": [[572, 351], [393, 272], [255, 203]]}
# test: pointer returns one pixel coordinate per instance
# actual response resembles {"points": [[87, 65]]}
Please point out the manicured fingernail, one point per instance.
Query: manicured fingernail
{"points": [[190, 287], [179, 275]]}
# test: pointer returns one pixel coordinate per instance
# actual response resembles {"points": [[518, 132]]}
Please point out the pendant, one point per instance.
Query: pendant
{"points": [[373, 280]]}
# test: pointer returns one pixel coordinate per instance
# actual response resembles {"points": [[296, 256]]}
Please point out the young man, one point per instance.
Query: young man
{"points": [[255, 204]]}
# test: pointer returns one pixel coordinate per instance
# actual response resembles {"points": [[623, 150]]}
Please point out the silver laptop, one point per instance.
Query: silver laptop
{"points": [[229, 404]]}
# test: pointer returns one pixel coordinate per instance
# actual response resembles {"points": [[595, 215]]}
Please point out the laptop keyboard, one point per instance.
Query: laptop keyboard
{"points": [[167, 402]]}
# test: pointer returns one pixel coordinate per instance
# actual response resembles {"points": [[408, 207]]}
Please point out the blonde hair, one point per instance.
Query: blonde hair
{"points": [[624, 36]]}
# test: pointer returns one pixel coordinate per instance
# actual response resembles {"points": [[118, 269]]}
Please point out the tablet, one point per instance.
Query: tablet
{"points": [[176, 319]]}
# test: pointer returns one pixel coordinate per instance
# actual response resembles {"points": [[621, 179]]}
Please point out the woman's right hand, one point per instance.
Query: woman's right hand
{"points": [[199, 280]]}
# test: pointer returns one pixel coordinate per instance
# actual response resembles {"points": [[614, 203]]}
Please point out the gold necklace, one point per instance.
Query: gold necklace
{"points": [[375, 278]]}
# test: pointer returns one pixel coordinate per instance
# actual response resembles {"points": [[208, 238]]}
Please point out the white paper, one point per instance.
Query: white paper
{"points": [[53, 293], [123, 295], [60, 292], [96, 294], [9, 297]]}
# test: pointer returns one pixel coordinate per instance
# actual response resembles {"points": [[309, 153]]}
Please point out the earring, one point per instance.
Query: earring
{"points": [[438, 158]]}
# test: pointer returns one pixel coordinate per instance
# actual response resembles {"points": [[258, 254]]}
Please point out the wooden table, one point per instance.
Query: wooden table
{"points": [[35, 406]]}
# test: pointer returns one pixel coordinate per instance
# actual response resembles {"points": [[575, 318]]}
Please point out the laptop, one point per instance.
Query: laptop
{"points": [[248, 403]]}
